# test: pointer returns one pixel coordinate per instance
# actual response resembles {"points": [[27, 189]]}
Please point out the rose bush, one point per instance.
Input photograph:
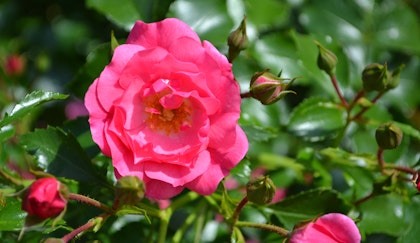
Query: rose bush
{"points": [[44, 199], [166, 110], [329, 228]]}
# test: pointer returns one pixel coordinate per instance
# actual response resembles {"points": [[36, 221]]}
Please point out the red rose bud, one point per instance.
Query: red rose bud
{"points": [[268, 88], [14, 65], [260, 190], [45, 198], [327, 60], [375, 77], [238, 40], [129, 190], [388, 136]]}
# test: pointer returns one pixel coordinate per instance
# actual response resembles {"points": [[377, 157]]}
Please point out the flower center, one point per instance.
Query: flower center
{"points": [[165, 119]]}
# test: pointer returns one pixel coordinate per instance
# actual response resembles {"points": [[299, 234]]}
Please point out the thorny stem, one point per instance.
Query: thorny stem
{"points": [[74, 233], [273, 228], [238, 209], [337, 89], [90, 201]]}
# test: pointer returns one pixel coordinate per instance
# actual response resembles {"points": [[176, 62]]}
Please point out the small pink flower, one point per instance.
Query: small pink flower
{"points": [[329, 228], [166, 110], [43, 198]]}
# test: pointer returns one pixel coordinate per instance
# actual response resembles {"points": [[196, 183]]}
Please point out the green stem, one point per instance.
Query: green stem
{"points": [[83, 228], [184, 199], [273, 228], [200, 223], [165, 216], [380, 156]]}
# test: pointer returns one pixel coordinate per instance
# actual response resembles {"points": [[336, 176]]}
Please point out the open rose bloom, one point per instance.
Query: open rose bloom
{"points": [[166, 110], [329, 228]]}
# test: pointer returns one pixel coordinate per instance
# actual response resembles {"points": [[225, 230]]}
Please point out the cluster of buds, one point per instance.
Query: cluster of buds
{"points": [[377, 77], [268, 88]]}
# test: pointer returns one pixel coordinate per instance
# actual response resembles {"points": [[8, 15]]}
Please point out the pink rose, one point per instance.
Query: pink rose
{"points": [[329, 228], [166, 110], [43, 198]]}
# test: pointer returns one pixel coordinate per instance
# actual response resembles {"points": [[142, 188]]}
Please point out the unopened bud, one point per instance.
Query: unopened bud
{"points": [[394, 80], [388, 136], [238, 40], [327, 60], [268, 88], [129, 190], [375, 77], [260, 190]]}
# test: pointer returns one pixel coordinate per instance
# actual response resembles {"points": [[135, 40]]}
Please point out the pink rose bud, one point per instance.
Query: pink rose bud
{"points": [[44, 198], [268, 88], [14, 65], [329, 228]]}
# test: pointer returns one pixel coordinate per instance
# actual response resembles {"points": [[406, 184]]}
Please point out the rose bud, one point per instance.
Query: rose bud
{"points": [[45, 198], [129, 190], [327, 60], [260, 190], [332, 227], [388, 136], [14, 65], [394, 80], [375, 77], [238, 40], [268, 88]]}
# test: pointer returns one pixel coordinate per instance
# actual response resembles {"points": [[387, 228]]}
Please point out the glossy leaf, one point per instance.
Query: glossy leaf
{"points": [[123, 13], [95, 63], [30, 101], [309, 204], [11, 215], [316, 119], [59, 153]]}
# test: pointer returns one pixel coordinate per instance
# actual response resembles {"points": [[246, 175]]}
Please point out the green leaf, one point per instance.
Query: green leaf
{"points": [[208, 18], [59, 153], [237, 236], [258, 134], [341, 157], [95, 63], [131, 209], [316, 119], [153, 10], [122, 13], [6, 132], [408, 130], [30, 101], [309, 204], [11, 215], [387, 218]]}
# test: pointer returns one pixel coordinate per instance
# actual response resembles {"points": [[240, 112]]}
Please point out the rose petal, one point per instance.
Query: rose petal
{"points": [[159, 190], [150, 35]]}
